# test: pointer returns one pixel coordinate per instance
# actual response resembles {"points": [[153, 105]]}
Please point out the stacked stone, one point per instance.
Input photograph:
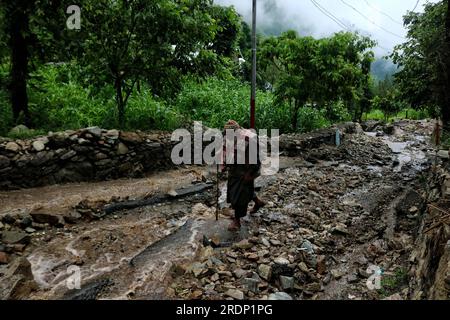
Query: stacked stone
{"points": [[90, 154]]}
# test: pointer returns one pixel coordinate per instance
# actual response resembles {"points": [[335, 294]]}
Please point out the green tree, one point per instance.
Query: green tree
{"points": [[152, 41], [318, 73], [424, 59]]}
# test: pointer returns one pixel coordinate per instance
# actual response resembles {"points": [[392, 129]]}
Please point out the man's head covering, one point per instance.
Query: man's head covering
{"points": [[232, 125]]}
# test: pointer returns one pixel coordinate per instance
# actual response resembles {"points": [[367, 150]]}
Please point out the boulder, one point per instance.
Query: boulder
{"points": [[15, 237], [53, 219]]}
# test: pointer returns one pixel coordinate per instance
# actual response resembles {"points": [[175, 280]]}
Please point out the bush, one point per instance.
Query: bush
{"points": [[215, 101], [311, 119], [58, 102], [144, 112]]}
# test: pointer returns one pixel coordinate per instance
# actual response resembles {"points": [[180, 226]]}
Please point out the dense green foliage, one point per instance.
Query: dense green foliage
{"points": [[158, 64], [424, 60]]}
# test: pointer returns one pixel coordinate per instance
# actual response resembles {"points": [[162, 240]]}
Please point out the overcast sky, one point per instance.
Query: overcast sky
{"points": [[381, 19]]}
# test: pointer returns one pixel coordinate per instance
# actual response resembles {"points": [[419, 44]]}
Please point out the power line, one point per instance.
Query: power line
{"points": [[383, 13], [337, 21], [329, 14], [371, 21], [415, 7]]}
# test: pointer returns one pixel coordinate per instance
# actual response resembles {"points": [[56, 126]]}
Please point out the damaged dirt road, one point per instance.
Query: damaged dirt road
{"points": [[336, 219]]}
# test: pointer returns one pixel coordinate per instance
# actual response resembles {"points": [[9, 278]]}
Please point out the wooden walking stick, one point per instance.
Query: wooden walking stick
{"points": [[217, 192]]}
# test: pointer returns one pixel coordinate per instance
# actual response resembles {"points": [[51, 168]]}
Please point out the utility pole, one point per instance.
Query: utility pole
{"points": [[253, 97]]}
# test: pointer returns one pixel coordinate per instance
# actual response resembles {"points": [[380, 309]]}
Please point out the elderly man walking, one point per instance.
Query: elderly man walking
{"points": [[241, 176]]}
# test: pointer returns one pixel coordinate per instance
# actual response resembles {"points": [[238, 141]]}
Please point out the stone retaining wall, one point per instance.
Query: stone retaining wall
{"points": [[95, 154], [90, 154]]}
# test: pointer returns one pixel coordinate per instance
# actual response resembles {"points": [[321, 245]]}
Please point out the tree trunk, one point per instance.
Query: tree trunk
{"points": [[120, 102], [18, 26], [446, 108]]}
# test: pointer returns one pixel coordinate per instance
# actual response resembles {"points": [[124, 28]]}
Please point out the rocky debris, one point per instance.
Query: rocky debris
{"points": [[326, 221], [17, 282]]}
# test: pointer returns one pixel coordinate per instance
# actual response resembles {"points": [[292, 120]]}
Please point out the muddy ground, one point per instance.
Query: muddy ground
{"points": [[333, 215]]}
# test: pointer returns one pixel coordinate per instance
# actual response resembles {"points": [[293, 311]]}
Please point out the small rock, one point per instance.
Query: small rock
{"points": [[244, 245], [303, 267], [340, 229], [122, 149], [282, 261], [352, 278], [265, 271], [196, 294], [283, 296], [287, 283], [95, 131], [336, 274], [68, 155], [40, 216], [413, 210], [38, 145], [4, 258], [235, 294], [252, 256], [239, 273], [265, 242], [26, 222], [321, 264], [12, 146], [73, 217], [197, 269], [307, 246], [172, 193], [313, 287], [30, 230], [1, 226], [215, 277], [275, 242]]}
